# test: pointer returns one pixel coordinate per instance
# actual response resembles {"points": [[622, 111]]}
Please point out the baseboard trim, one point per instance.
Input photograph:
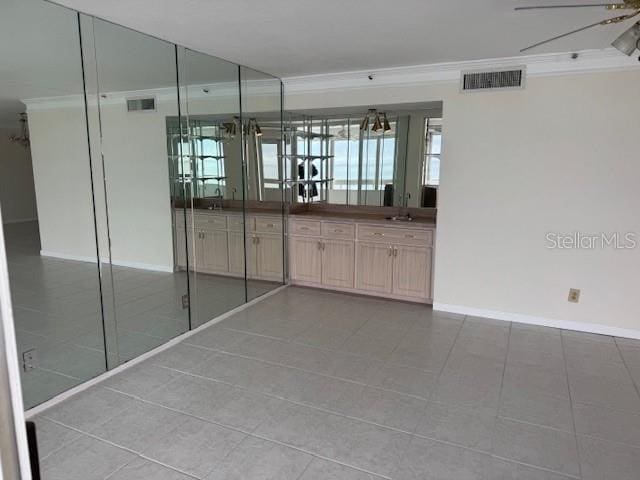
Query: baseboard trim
{"points": [[539, 321], [38, 409], [19, 220], [119, 263]]}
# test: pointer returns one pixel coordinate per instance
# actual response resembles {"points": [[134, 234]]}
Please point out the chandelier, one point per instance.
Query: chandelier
{"points": [[23, 138]]}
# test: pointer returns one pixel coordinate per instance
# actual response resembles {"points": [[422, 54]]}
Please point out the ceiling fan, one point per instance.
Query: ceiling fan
{"points": [[626, 43]]}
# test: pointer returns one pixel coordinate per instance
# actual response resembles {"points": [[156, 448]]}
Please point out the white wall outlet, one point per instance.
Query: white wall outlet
{"points": [[574, 295]]}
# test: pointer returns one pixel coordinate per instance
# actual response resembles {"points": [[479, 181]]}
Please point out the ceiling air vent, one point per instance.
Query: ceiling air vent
{"points": [[493, 80], [141, 104]]}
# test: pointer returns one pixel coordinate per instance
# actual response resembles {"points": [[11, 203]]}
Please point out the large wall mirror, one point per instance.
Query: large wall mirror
{"points": [[382, 156]]}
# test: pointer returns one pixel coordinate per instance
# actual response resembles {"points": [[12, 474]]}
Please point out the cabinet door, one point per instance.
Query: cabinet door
{"points": [[412, 271], [215, 253], [181, 245], [236, 252], [374, 265], [338, 263], [269, 257], [305, 259]]}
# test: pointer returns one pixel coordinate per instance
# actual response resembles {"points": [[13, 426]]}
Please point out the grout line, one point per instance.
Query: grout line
{"points": [[537, 467], [573, 416], [145, 356], [626, 366]]}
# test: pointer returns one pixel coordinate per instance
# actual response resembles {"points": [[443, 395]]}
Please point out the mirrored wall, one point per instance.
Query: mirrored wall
{"points": [[387, 156], [156, 172]]}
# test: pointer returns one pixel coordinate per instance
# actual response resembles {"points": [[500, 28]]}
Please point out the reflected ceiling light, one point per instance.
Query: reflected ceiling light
{"points": [[256, 127], [229, 129], [23, 138], [385, 123], [377, 125], [629, 40]]}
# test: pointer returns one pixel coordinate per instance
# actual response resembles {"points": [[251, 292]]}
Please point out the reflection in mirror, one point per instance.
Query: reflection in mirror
{"points": [[431, 162], [129, 102], [205, 158], [365, 157], [263, 150], [45, 190]]}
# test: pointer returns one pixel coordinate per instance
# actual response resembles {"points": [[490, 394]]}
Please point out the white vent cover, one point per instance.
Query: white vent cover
{"points": [[493, 80], [141, 104]]}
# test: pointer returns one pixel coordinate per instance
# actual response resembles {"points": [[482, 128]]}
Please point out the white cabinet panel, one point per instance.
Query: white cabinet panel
{"points": [[412, 271], [338, 263], [236, 253], [305, 257], [269, 257], [215, 256], [374, 263]]}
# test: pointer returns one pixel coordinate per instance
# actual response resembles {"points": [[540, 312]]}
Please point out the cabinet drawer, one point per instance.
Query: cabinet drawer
{"points": [[211, 222], [404, 236], [269, 224], [236, 223], [338, 230], [304, 227]]}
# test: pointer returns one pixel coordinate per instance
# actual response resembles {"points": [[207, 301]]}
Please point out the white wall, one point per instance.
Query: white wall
{"points": [[559, 156], [63, 190], [17, 195]]}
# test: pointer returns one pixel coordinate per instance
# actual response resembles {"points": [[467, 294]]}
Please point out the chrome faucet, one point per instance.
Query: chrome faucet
{"points": [[217, 200]]}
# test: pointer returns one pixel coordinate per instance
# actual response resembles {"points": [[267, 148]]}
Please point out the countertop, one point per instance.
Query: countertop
{"points": [[363, 218]]}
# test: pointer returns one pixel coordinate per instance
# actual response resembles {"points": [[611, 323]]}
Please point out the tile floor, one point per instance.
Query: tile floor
{"points": [[313, 385], [58, 313]]}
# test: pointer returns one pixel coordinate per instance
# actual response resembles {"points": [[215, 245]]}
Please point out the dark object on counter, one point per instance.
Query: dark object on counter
{"points": [[388, 195], [429, 197], [32, 441]]}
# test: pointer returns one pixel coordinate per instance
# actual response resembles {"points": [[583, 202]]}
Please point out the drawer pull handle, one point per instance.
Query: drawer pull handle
{"points": [[270, 225], [378, 234], [409, 236], [337, 230], [304, 228]]}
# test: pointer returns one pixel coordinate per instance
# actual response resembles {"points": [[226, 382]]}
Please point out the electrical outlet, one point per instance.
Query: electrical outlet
{"points": [[29, 360], [574, 295]]}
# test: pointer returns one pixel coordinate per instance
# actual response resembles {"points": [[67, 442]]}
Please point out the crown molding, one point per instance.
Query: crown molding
{"points": [[588, 61], [196, 93]]}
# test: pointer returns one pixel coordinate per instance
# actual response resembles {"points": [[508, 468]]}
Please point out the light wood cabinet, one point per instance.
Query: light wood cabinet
{"points": [[305, 259], [374, 264], [216, 245], [214, 251], [375, 259], [236, 252], [337, 263], [269, 257], [412, 271]]}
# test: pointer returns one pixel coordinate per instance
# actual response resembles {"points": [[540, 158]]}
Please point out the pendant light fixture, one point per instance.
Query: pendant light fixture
{"points": [[365, 123], [377, 124], [23, 138], [385, 123], [629, 40], [257, 128]]}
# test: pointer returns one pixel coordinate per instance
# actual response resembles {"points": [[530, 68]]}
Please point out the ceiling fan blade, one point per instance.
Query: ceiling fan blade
{"points": [[618, 6], [558, 37]]}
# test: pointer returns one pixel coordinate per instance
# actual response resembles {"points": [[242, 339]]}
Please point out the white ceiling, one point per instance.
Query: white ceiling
{"points": [[301, 37]]}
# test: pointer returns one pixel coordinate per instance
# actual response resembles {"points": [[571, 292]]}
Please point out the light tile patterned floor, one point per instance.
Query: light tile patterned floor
{"points": [[313, 385], [57, 312]]}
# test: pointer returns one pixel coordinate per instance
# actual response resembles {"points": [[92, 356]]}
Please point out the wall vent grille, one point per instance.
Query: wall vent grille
{"points": [[141, 104], [493, 80]]}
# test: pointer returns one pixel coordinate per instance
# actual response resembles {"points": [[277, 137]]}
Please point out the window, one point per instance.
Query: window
{"points": [[378, 157], [432, 152], [270, 171]]}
